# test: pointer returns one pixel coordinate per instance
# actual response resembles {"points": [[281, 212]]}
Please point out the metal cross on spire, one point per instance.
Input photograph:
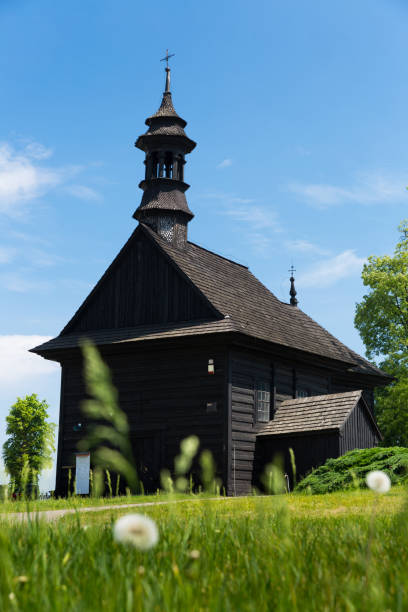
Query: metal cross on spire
{"points": [[167, 69], [292, 270], [167, 57]]}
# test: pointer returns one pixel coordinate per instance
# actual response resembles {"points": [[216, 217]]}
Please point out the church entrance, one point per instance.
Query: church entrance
{"points": [[148, 447]]}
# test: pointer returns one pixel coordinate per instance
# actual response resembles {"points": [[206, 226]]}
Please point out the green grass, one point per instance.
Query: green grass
{"points": [[344, 551], [83, 502]]}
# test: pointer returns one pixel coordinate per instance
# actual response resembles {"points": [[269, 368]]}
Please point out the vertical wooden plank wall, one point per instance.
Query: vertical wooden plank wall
{"points": [[310, 451], [165, 395], [358, 431], [286, 381], [140, 287], [244, 427]]}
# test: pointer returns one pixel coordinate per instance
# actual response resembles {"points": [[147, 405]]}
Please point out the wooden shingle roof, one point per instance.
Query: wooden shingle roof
{"points": [[318, 413], [241, 303], [120, 335], [235, 292]]}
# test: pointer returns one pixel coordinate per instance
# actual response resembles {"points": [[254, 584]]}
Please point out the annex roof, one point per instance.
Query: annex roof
{"points": [[317, 413]]}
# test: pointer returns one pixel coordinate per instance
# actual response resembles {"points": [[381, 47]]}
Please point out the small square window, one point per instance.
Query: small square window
{"points": [[211, 407], [302, 393]]}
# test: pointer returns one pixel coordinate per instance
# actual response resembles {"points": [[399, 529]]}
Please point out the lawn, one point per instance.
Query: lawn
{"points": [[75, 501], [344, 551]]}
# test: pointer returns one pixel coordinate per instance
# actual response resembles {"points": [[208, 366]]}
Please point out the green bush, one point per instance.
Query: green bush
{"points": [[350, 470]]}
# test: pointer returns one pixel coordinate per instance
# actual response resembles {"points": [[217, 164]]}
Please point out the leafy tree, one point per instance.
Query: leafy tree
{"points": [[382, 320], [29, 447]]}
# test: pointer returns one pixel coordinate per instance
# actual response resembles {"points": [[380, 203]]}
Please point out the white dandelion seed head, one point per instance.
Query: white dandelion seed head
{"points": [[378, 481], [136, 529], [194, 554]]}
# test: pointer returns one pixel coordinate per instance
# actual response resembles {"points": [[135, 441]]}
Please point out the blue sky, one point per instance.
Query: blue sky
{"points": [[299, 112]]}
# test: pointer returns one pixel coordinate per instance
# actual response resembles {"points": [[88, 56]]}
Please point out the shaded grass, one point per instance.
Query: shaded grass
{"points": [[39, 505], [259, 553]]}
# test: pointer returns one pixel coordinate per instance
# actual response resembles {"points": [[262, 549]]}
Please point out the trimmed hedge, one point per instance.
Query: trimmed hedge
{"points": [[349, 470]]}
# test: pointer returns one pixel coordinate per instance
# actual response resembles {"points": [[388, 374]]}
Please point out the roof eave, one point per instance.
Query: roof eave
{"points": [[298, 433]]}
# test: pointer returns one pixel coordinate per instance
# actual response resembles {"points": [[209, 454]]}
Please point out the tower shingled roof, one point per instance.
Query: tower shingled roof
{"points": [[166, 109]]}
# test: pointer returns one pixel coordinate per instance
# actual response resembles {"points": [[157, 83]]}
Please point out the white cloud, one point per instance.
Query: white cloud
{"points": [[37, 151], [303, 246], [368, 189], [22, 180], [226, 198], [259, 242], [331, 270], [225, 163], [42, 259], [234, 200], [28, 237], [256, 217], [17, 283], [83, 193], [17, 364]]}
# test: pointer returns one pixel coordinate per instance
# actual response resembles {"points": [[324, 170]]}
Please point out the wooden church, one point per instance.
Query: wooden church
{"points": [[197, 345]]}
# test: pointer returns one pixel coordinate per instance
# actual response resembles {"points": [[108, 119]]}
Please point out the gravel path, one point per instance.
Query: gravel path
{"points": [[53, 515]]}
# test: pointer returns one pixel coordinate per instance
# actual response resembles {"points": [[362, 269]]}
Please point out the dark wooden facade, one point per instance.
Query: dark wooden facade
{"points": [[164, 392], [167, 393], [165, 307]]}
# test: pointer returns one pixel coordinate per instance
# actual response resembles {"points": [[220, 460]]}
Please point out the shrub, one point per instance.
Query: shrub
{"points": [[350, 470]]}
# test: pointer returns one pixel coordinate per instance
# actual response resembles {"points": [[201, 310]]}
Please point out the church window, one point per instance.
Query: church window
{"points": [[302, 393], [166, 228], [263, 401]]}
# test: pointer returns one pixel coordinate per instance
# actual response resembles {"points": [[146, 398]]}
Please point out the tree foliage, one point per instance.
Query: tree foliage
{"points": [[382, 320], [30, 442], [382, 316]]}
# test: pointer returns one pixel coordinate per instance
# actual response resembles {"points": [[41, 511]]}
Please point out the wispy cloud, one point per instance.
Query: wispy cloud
{"points": [[258, 221], [28, 238], [225, 198], [257, 217], [21, 179], [17, 364], [36, 150], [83, 192], [19, 283], [303, 246], [225, 163], [259, 242], [233, 200], [330, 271], [42, 259], [24, 177], [367, 189]]}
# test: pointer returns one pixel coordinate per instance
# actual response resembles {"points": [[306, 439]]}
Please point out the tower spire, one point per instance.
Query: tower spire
{"points": [[292, 292], [167, 69], [164, 206]]}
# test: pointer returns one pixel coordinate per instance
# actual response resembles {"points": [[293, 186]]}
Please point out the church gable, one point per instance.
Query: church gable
{"points": [[142, 286]]}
